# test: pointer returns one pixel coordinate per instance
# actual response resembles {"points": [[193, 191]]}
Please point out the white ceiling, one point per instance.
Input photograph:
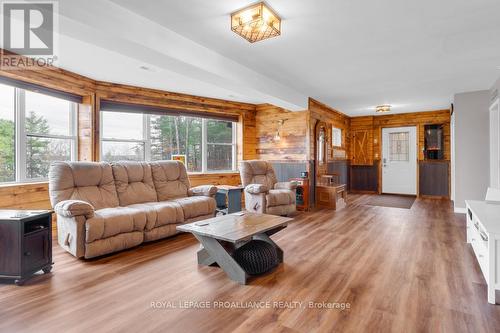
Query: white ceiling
{"points": [[352, 55]]}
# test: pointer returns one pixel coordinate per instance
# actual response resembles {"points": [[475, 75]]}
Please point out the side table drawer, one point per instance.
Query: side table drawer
{"points": [[36, 250]]}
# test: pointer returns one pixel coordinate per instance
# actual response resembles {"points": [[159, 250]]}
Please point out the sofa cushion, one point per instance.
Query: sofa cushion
{"points": [[108, 222], [280, 197], [91, 182], [170, 179], [113, 244], [160, 213], [197, 206], [134, 182]]}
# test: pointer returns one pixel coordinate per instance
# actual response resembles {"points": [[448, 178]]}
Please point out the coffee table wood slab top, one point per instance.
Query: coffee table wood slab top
{"points": [[235, 228], [222, 235]]}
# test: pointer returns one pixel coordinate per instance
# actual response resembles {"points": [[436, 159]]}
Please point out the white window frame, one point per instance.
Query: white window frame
{"points": [[145, 134], [147, 143], [21, 136], [205, 148], [340, 132]]}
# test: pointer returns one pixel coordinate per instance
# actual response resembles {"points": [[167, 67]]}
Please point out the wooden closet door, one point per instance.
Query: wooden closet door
{"points": [[361, 152]]}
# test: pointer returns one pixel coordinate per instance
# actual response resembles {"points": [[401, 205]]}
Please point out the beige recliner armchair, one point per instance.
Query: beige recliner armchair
{"points": [[263, 193]]}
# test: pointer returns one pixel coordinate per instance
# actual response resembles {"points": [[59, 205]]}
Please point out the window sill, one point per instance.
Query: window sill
{"points": [[190, 174], [28, 184], [212, 173]]}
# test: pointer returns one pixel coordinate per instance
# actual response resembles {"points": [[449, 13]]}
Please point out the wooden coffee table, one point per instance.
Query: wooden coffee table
{"points": [[222, 235]]}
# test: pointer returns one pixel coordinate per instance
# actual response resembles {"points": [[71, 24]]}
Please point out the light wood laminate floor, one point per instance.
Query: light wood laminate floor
{"points": [[400, 270]]}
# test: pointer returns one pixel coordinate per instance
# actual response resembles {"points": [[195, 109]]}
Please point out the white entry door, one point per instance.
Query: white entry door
{"points": [[399, 160]]}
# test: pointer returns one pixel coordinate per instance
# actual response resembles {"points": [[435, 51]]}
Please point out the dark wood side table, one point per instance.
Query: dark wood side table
{"points": [[25, 244]]}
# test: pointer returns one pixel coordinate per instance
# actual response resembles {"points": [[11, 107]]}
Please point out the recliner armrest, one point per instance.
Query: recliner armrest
{"points": [[203, 190], [285, 186], [74, 208], [256, 189]]}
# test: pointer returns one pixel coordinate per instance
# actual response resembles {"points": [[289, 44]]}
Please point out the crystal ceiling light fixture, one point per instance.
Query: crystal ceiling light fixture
{"points": [[383, 108], [256, 22]]}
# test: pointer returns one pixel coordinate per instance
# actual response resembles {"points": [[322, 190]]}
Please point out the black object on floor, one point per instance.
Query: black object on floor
{"points": [[257, 257]]}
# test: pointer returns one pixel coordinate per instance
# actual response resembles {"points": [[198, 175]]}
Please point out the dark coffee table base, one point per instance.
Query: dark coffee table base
{"points": [[219, 252]]}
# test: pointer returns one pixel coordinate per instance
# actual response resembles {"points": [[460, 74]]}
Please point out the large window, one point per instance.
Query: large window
{"points": [[206, 145], [35, 129]]}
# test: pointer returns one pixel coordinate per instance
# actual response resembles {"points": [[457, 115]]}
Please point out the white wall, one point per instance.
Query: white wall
{"points": [[494, 97], [495, 91], [471, 147]]}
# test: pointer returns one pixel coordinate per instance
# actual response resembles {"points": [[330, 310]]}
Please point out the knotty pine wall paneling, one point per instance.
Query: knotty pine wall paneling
{"points": [[418, 119], [319, 112], [333, 118], [292, 145]]}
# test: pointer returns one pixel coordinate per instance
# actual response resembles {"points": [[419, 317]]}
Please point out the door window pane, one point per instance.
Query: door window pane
{"points": [[47, 115], [399, 146], [172, 135], [220, 157], [219, 131], [122, 125], [40, 152], [122, 151], [7, 134]]}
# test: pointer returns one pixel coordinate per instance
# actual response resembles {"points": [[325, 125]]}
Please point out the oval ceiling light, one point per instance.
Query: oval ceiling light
{"points": [[256, 22], [383, 108]]}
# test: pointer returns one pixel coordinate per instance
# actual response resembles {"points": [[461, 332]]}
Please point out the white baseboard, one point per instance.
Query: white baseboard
{"points": [[460, 210]]}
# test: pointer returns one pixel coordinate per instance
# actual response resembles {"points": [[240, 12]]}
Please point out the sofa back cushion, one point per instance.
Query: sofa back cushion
{"points": [[170, 179], [87, 181], [257, 172], [134, 182]]}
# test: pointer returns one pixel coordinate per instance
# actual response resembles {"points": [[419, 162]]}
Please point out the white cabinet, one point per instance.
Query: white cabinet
{"points": [[483, 233]]}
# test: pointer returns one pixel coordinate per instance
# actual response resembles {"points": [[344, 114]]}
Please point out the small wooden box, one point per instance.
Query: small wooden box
{"points": [[331, 196]]}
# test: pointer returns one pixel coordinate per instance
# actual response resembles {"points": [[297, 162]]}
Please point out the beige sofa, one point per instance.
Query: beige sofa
{"points": [[103, 208], [263, 193]]}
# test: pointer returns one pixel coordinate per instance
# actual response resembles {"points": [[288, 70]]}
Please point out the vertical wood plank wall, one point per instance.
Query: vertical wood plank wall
{"points": [[321, 112]]}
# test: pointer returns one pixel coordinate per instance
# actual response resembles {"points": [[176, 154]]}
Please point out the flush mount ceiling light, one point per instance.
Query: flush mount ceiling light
{"points": [[256, 22], [383, 108]]}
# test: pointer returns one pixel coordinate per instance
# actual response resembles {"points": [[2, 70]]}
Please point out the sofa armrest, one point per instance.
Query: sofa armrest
{"points": [[203, 190], [256, 188], [74, 208], [285, 186]]}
